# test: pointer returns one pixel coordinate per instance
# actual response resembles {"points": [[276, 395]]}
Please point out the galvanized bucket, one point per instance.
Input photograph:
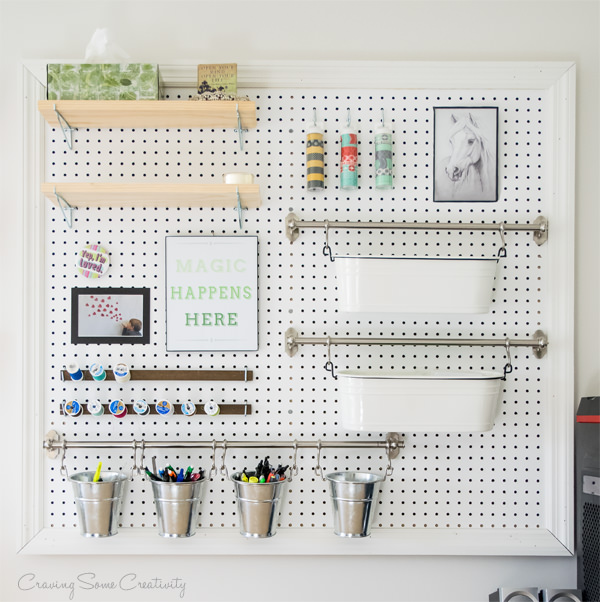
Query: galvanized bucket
{"points": [[258, 506], [98, 503], [177, 507], [354, 498]]}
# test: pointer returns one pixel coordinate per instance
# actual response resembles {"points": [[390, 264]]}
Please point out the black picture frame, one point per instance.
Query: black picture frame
{"points": [[465, 154], [112, 307]]}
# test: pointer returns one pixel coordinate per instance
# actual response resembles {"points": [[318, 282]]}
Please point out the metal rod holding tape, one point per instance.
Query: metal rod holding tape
{"points": [[539, 227], [539, 342]]}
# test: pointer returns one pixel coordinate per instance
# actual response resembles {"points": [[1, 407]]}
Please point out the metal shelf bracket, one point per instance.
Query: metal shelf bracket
{"points": [[66, 128]]}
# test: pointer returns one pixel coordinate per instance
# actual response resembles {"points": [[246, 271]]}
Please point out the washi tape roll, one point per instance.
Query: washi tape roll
{"points": [[117, 408], [121, 372], [72, 408], [349, 159], [212, 408], [74, 371], [97, 371], [188, 408], [141, 407], [93, 261], [95, 408], [164, 407], [384, 179], [315, 159]]}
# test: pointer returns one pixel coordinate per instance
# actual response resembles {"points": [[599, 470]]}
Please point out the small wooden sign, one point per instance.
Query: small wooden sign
{"points": [[217, 78]]}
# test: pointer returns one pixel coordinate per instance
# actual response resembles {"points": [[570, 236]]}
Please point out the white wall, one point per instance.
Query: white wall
{"points": [[221, 31]]}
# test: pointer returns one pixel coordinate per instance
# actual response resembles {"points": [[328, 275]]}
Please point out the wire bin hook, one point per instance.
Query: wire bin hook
{"points": [[348, 118], [315, 116]]}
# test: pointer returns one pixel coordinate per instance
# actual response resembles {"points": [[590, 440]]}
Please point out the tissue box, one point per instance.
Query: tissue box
{"points": [[101, 81]]}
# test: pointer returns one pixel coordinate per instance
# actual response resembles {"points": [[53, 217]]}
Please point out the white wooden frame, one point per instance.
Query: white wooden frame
{"points": [[556, 539]]}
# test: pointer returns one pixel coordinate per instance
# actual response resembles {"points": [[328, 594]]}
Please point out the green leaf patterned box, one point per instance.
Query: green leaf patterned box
{"points": [[103, 81]]}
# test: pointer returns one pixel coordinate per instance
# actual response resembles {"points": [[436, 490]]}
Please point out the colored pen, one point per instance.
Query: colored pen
{"points": [[97, 475]]}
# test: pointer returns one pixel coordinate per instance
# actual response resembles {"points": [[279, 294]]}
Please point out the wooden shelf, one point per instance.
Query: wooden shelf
{"points": [[117, 194], [150, 113]]}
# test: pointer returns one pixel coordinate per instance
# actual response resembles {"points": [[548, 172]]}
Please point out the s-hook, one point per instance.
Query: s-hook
{"points": [[213, 469], [329, 364], [224, 470], [502, 249], [318, 467], [508, 366], [294, 468], [326, 247]]}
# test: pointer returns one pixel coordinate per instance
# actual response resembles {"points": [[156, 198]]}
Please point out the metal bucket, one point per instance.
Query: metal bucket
{"points": [[258, 506], [98, 503], [354, 497], [177, 507]]}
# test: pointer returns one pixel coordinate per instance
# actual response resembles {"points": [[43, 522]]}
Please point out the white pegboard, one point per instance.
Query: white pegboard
{"points": [[491, 479]]}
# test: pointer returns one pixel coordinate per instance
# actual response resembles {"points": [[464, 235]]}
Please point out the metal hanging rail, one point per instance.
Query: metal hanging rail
{"points": [[54, 444], [539, 342], [539, 227]]}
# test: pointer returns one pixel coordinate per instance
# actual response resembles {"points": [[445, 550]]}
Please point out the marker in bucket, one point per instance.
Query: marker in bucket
{"points": [[95, 408], [97, 372], [117, 408], [121, 372], [141, 407], [164, 407], [212, 408], [74, 371], [188, 408], [97, 475], [72, 408]]}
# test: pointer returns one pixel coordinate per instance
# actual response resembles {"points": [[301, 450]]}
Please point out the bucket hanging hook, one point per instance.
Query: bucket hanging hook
{"points": [[224, 470], [294, 468], [141, 466], [213, 469], [318, 467], [389, 470]]}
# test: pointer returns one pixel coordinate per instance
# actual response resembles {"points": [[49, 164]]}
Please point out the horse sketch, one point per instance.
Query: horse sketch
{"points": [[469, 173]]}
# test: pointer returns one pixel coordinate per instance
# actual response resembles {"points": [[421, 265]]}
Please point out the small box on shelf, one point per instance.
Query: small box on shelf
{"points": [[102, 81]]}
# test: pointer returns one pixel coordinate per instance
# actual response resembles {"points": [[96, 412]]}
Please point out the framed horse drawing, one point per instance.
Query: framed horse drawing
{"points": [[465, 154]]}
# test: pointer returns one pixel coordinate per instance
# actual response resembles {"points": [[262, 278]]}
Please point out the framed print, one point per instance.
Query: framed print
{"points": [[110, 315], [212, 293], [465, 154]]}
